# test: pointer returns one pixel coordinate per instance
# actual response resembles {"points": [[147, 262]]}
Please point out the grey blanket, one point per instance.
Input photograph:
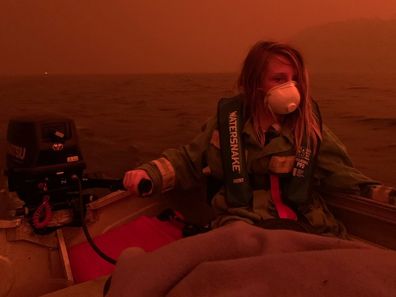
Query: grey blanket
{"points": [[243, 260]]}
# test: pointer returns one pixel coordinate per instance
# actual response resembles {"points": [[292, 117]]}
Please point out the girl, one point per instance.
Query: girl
{"points": [[270, 153]]}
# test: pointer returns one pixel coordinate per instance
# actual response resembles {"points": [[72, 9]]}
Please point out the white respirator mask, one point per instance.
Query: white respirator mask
{"points": [[284, 98]]}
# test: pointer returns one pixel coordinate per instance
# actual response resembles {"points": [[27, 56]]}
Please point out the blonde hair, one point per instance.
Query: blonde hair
{"points": [[304, 122]]}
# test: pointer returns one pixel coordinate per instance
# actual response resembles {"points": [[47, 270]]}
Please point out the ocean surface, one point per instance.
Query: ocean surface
{"points": [[124, 120]]}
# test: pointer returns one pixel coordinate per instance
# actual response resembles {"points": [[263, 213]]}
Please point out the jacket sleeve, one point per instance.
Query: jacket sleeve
{"points": [[336, 173], [335, 170], [182, 167]]}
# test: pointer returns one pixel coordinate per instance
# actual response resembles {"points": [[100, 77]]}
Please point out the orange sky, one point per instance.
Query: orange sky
{"points": [[130, 36]]}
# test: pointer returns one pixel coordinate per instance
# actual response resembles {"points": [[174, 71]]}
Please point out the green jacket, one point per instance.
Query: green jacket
{"points": [[187, 166]]}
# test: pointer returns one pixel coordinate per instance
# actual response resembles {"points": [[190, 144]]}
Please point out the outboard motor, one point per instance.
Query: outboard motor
{"points": [[45, 168], [43, 155]]}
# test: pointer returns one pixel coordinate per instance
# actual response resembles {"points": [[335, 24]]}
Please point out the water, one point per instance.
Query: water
{"points": [[124, 120]]}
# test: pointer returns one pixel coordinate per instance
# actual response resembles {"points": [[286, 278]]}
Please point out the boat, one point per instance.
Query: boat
{"points": [[40, 263]]}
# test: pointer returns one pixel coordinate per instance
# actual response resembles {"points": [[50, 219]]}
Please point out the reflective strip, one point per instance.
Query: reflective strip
{"points": [[167, 172], [281, 164], [215, 140]]}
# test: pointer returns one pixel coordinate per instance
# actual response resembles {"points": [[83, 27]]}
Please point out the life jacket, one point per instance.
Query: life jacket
{"points": [[238, 190]]}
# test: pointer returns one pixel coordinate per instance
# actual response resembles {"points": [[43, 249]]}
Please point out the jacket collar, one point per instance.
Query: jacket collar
{"points": [[283, 143]]}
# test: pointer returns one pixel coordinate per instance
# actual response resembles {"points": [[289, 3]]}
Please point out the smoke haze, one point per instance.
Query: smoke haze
{"points": [[121, 36]]}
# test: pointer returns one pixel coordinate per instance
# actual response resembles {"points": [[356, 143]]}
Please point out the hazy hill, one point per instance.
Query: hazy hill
{"points": [[363, 45]]}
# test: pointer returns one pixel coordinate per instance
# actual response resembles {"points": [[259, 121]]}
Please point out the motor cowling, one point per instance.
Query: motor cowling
{"points": [[43, 154]]}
